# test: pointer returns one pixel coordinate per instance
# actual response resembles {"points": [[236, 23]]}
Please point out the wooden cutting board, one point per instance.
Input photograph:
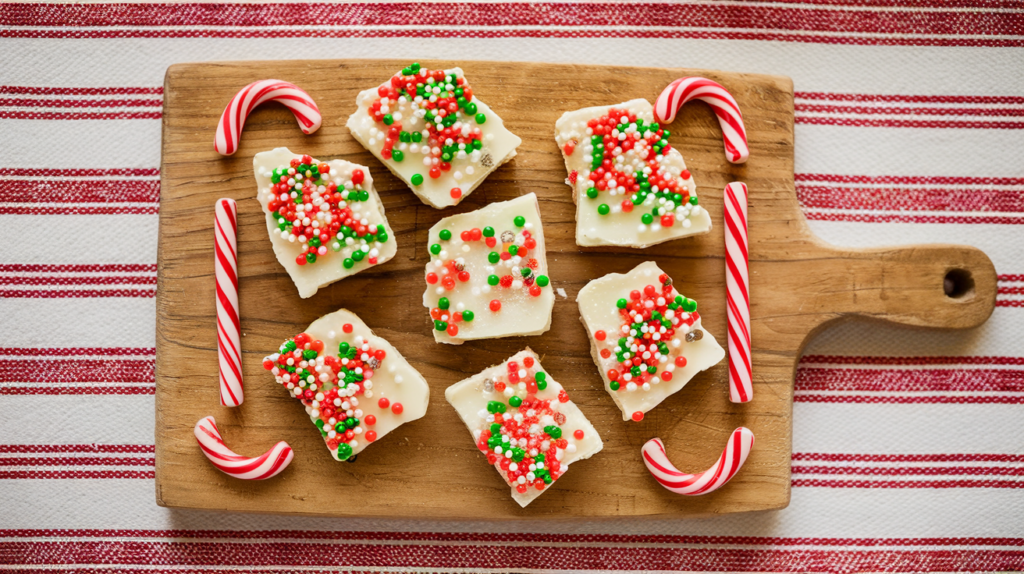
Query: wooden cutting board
{"points": [[431, 468]]}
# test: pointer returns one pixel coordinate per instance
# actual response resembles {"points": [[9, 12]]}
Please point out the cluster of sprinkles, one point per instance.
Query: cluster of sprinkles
{"points": [[522, 434], [318, 210], [330, 386], [652, 322], [625, 157], [430, 113], [510, 269]]}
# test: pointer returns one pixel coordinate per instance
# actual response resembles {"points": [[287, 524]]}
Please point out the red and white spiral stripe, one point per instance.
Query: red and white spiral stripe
{"points": [[721, 101], [229, 130], [226, 460], [732, 459], [737, 293], [229, 343]]}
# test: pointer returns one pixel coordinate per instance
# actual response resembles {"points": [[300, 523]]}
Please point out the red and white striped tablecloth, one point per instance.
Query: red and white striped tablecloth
{"points": [[908, 445]]}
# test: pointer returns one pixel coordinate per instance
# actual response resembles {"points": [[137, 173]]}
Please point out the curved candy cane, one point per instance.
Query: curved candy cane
{"points": [[728, 465], [265, 466], [713, 94], [737, 293], [229, 347], [229, 130]]}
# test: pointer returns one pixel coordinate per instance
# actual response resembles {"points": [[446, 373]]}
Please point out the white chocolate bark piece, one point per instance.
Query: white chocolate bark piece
{"points": [[404, 134], [356, 376], [657, 199], [338, 258], [681, 346], [476, 288], [519, 394]]}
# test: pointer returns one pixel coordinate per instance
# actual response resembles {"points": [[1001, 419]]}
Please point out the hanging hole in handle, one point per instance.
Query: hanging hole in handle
{"points": [[958, 284]]}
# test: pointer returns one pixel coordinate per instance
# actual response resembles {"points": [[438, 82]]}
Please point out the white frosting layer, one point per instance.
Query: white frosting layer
{"points": [[617, 227], [470, 398], [395, 380], [328, 268], [521, 313], [597, 302], [466, 173]]}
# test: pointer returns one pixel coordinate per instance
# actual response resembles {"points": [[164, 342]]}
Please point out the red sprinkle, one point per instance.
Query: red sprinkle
{"points": [[638, 416], [578, 434], [600, 335], [495, 305], [347, 327], [397, 408]]}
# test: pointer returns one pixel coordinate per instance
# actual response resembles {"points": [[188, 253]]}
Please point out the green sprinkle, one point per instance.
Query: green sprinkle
{"points": [[416, 179], [358, 255], [397, 155], [388, 120], [495, 407], [592, 192], [492, 280], [689, 305], [417, 137], [382, 236], [693, 200], [471, 110], [621, 303], [404, 137], [647, 218], [488, 231], [526, 271], [445, 235], [435, 248], [519, 221], [553, 431], [344, 450], [493, 257], [603, 209], [311, 257], [440, 325], [444, 303], [348, 263], [515, 401], [467, 316], [543, 280], [481, 118], [309, 354]]}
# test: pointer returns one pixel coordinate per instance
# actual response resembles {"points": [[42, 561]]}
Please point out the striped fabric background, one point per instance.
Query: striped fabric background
{"points": [[908, 448]]}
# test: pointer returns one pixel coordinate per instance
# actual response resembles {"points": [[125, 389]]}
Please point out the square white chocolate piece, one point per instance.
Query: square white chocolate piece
{"points": [[655, 202], [407, 134], [670, 337], [377, 394], [339, 257], [476, 287], [512, 393]]}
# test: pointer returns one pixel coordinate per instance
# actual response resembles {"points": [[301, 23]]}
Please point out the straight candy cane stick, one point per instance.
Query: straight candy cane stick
{"points": [[229, 345], [737, 290]]}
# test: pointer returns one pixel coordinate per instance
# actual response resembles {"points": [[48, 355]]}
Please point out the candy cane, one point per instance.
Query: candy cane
{"points": [[713, 94], [265, 466], [732, 459], [229, 348], [737, 293], [229, 130]]}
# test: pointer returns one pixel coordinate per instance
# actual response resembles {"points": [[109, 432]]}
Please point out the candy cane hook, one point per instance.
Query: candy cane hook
{"points": [[227, 461], [229, 130], [734, 135], [732, 459]]}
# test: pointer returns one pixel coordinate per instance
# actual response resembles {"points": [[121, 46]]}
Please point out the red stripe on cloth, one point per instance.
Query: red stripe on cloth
{"points": [[79, 280], [75, 293], [890, 123], [908, 179], [75, 474], [734, 21], [31, 103], [908, 470], [910, 99], [1010, 277], [898, 218], [64, 370], [79, 390], [56, 91], [1009, 303], [911, 399], [1011, 290], [5, 115], [943, 360], [76, 210], [79, 191], [77, 351], [146, 556], [911, 199], [905, 111], [76, 448], [75, 461], [916, 484], [47, 172], [78, 268], [910, 381], [960, 457]]}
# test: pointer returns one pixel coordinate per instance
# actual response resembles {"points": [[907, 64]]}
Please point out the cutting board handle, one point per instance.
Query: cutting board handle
{"points": [[939, 286]]}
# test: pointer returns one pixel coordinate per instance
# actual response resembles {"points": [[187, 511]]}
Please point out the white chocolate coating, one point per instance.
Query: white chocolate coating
{"points": [[521, 314], [598, 312], [470, 397], [395, 380], [619, 228], [499, 146], [311, 277]]}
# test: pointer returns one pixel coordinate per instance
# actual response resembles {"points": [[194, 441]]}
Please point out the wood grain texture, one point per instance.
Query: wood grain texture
{"points": [[431, 468]]}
